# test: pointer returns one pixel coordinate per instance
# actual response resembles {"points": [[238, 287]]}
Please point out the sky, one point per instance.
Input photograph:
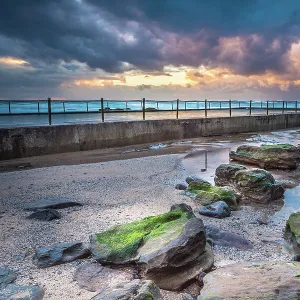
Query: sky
{"points": [[153, 49]]}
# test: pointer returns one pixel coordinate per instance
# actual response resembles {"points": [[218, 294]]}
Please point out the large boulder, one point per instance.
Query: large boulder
{"points": [[292, 232], [253, 280], [96, 278], [256, 185], [16, 292], [222, 238], [279, 156], [163, 245], [218, 209], [59, 254], [6, 276], [134, 290], [55, 203], [208, 194]]}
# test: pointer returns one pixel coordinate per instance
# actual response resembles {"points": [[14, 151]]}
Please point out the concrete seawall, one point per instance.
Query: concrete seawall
{"points": [[32, 141]]}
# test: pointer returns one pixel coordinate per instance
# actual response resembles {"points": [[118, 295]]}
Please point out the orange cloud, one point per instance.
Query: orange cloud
{"points": [[12, 61]]}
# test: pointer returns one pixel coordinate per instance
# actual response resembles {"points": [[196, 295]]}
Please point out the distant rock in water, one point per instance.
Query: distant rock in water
{"points": [[277, 156], [253, 280], [256, 185], [170, 249], [292, 232]]}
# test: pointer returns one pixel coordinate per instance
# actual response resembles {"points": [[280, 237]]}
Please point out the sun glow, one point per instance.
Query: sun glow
{"points": [[13, 61]]}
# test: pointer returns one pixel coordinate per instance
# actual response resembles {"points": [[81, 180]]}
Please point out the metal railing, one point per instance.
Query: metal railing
{"points": [[50, 107]]}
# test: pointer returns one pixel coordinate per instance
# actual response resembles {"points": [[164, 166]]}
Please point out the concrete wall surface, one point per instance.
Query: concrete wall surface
{"points": [[32, 141]]}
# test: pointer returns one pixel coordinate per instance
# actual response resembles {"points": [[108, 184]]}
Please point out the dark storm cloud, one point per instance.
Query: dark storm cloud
{"points": [[116, 35]]}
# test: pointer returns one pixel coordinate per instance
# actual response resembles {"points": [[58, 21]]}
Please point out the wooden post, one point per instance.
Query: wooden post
{"points": [[102, 109], [49, 111], [9, 108], [296, 107], [261, 104], [267, 107], [250, 107], [205, 107], [177, 109], [282, 107], [64, 107], [144, 108], [87, 107], [230, 108], [38, 107]]}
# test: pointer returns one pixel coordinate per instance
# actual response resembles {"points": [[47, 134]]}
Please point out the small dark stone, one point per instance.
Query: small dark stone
{"points": [[189, 179], [219, 209], [55, 203], [45, 215], [181, 206], [181, 186], [219, 237], [59, 254], [16, 292], [6, 276]]}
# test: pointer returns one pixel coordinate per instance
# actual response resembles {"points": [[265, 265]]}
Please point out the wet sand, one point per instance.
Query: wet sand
{"points": [[121, 185]]}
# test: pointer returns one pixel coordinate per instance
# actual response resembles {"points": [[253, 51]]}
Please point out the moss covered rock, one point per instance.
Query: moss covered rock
{"points": [[171, 243], [256, 185], [292, 232], [279, 156], [208, 194]]}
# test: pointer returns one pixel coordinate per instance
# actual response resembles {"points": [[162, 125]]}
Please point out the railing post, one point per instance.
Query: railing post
{"points": [[38, 107], [9, 108], [172, 106], [296, 107], [250, 107], [205, 107], [261, 106], [282, 107], [87, 107], [144, 108], [267, 107], [102, 109], [64, 106], [177, 109], [49, 111], [230, 113]]}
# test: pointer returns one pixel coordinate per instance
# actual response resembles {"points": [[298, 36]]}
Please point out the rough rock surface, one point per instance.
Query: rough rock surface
{"points": [[55, 203], [208, 194], [292, 232], [278, 156], [191, 178], [219, 209], [45, 215], [95, 277], [222, 238], [135, 290], [59, 254], [181, 186], [256, 185], [164, 246], [255, 280], [6, 276], [16, 292]]}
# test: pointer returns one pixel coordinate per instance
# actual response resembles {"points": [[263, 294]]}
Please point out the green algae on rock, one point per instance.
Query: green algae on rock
{"points": [[256, 185], [120, 243], [208, 194], [292, 232], [169, 249], [278, 156]]}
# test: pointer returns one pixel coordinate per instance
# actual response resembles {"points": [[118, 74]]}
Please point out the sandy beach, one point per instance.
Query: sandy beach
{"points": [[121, 185]]}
